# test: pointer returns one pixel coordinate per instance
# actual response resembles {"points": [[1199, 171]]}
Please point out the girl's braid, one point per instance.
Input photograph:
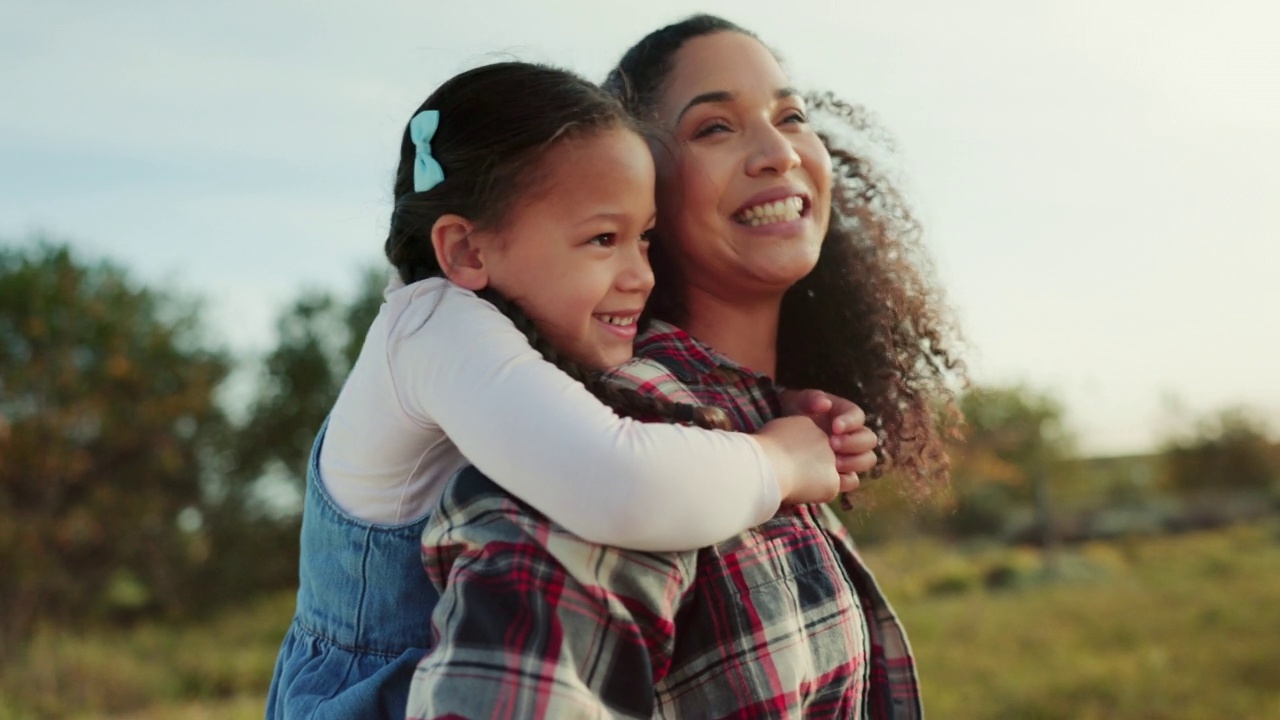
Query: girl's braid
{"points": [[623, 399]]}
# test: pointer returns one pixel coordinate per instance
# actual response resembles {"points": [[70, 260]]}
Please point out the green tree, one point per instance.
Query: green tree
{"points": [[253, 543], [317, 340], [108, 426], [1229, 451], [1014, 439]]}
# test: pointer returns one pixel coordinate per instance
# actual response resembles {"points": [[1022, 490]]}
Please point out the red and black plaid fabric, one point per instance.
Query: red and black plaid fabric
{"points": [[783, 620]]}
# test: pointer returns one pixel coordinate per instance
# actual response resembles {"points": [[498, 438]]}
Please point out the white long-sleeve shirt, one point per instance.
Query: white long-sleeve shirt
{"points": [[445, 380]]}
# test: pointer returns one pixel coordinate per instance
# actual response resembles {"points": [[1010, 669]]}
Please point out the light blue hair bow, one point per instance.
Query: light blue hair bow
{"points": [[427, 173]]}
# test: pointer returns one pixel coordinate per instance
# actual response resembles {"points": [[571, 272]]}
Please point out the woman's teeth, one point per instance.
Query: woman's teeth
{"points": [[772, 212]]}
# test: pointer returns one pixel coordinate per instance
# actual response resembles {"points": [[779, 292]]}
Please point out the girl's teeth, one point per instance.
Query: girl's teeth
{"points": [[613, 320]]}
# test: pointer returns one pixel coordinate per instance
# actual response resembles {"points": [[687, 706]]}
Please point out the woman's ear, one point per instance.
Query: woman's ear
{"points": [[458, 252]]}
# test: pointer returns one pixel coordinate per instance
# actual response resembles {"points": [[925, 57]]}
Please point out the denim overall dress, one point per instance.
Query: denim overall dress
{"points": [[363, 618]]}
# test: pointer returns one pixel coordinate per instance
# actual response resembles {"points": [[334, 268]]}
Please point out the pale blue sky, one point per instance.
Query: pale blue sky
{"points": [[1098, 179]]}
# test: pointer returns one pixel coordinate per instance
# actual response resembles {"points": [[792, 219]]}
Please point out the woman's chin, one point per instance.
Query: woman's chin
{"points": [[785, 271]]}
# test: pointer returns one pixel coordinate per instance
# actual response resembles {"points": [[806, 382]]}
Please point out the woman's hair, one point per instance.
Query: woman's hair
{"points": [[497, 123], [867, 323]]}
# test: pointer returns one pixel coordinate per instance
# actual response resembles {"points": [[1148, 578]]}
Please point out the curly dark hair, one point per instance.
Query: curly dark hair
{"points": [[868, 323], [497, 124]]}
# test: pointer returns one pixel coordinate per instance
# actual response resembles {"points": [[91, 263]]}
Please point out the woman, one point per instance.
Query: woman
{"points": [[776, 271]]}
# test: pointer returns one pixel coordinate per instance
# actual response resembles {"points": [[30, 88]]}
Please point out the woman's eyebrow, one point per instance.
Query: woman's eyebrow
{"points": [[717, 96], [722, 96]]}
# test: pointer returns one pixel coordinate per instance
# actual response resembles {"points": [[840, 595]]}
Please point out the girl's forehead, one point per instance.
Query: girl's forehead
{"points": [[599, 167]]}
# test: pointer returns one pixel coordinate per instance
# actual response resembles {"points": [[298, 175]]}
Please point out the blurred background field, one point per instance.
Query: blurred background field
{"points": [[149, 520], [1140, 627], [1180, 627]]}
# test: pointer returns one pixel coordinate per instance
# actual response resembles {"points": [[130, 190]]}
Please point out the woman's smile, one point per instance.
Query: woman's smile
{"points": [[782, 211]]}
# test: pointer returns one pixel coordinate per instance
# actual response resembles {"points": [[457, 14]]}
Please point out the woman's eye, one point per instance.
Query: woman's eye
{"points": [[647, 236], [605, 240], [795, 117], [712, 129]]}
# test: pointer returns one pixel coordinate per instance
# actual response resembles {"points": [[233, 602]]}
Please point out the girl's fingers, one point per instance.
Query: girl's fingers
{"points": [[860, 463], [846, 416], [819, 404], [806, 402], [854, 443], [813, 404]]}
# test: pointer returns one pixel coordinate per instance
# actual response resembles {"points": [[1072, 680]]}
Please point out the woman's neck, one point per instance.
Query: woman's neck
{"points": [[744, 332]]}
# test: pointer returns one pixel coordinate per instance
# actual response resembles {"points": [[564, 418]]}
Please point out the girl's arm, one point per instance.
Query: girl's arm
{"points": [[546, 439]]}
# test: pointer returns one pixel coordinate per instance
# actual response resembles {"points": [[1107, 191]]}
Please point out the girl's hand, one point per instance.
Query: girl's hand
{"points": [[802, 459], [853, 443]]}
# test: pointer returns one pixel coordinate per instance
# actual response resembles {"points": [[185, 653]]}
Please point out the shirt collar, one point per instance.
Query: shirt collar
{"points": [[691, 359]]}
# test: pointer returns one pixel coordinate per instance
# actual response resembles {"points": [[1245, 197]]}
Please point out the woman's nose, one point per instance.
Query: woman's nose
{"points": [[772, 153]]}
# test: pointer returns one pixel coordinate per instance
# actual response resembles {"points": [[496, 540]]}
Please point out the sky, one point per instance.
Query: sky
{"points": [[1097, 179]]}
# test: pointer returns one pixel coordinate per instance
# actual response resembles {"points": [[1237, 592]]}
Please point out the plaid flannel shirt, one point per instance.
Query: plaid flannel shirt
{"points": [[783, 620]]}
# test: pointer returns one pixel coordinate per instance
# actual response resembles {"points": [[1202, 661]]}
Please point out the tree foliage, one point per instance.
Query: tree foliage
{"points": [[1231, 450], [108, 422], [1014, 437], [317, 340], [254, 543]]}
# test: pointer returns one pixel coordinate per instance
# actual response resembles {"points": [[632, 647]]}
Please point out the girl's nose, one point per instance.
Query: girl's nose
{"points": [[637, 273]]}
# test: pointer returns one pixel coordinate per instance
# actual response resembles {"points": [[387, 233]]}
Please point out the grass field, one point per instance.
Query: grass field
{"points": [[1173, 627], [1182, 627]]}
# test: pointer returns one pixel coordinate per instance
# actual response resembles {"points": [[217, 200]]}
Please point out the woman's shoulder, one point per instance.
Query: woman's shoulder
{"points": [[677, 351], [651, 378]]}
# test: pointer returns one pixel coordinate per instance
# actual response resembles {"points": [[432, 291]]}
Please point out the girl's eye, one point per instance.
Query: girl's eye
{"points": [[605, 240], [795, 117], [647, 236]]}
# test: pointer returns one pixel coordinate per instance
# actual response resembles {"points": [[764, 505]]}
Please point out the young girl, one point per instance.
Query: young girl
{"points": [[523, 200]]}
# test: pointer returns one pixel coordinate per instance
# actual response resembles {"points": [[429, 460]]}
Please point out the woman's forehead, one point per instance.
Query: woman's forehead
{"points": [[723, 65]]}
